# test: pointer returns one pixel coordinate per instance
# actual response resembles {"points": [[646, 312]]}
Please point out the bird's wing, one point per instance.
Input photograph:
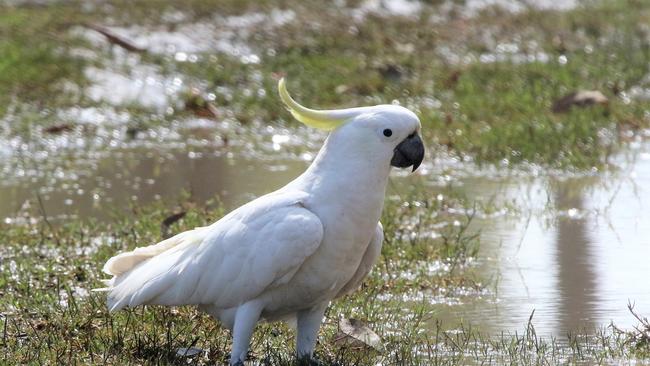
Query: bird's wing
{"points": [[256, 247], [367, 261]]}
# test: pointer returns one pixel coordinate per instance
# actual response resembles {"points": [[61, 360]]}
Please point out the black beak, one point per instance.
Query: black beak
{"points": [[408, 152]]}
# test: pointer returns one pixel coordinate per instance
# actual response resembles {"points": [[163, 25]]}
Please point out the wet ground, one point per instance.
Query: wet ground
{"points": [[572, 247]]}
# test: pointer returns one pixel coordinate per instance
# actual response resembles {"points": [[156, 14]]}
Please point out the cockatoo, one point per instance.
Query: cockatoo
{"points": [[287, 254]]}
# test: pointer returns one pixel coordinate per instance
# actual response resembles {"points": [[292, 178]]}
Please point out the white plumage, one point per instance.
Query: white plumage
{"points": [[285, 255], [174, 271]]}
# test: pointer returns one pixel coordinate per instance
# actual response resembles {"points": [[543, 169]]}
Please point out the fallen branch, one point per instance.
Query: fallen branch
{"points": [[116, 39]]}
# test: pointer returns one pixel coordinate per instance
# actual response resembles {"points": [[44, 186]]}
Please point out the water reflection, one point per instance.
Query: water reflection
{"points": [[114, 183], [576, 275], [575, 255]]}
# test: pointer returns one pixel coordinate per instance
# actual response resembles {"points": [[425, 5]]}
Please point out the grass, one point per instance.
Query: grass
{"points": [[34, 62], [489, 111], [47, 314], [492, 112]]}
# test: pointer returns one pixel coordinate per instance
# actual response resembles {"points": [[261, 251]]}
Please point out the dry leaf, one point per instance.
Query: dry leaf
{"points": [[583, 98], [356, 334], [56, 129], [169, 221], [188, 352]]}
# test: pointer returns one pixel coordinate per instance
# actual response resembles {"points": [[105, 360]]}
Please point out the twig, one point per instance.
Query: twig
{"points": [[523, 236], [115, 39], [47, 222], [4, 331]]}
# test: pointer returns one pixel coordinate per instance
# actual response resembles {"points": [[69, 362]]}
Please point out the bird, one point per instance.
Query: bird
{"points": [[286, 255]]}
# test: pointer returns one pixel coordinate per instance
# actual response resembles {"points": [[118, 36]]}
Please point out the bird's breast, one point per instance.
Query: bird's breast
{"points": [[346, 236], [349, 214]]}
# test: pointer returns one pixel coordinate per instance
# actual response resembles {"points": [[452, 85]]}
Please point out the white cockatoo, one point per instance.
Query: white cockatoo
{"points": [[285, 255]]}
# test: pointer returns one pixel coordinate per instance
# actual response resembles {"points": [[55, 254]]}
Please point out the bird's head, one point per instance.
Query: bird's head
{"points": [[388, 131]]}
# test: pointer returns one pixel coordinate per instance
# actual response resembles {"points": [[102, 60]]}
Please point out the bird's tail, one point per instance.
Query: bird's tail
{"points": [[121, 286], [124, 262]]}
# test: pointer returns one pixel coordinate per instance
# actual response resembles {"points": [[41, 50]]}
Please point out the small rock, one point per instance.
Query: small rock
{"points": [[583, 98]]}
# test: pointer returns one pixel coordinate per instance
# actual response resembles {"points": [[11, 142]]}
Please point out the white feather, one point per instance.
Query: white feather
{"points": [[224, 264], [126, 261]]}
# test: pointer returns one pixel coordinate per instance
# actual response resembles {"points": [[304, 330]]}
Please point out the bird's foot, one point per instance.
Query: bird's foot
{"points": [[309, 361]]}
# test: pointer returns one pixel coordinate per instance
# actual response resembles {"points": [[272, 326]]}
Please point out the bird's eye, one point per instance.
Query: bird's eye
{"points": [[388, 132]]}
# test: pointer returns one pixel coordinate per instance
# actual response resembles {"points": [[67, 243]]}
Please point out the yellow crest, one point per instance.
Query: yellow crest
{"points": [[324, 120]]}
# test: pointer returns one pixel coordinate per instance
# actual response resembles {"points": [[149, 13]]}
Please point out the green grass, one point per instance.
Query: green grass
{"points": [[489, 111], [47, 315], [46, 321], [34, 60], [503, 109]]}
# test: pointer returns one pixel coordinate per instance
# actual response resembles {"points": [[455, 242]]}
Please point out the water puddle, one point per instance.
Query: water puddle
{"points": [[576, 252], [442, 10], [122, 78], [473, 7], [186, 40], [142, 86], [576, 256], [403, 8]]}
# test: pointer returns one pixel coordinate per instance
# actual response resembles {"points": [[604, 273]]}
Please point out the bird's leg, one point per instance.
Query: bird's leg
{"points": [[246, 317], [308, 325]]}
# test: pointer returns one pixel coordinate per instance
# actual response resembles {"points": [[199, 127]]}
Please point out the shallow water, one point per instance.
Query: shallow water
{"points": [[576, 256], [576, 252], [139, 176]]}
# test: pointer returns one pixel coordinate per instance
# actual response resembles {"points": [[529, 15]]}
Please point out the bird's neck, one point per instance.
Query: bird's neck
{"points": [[347, 176]]}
